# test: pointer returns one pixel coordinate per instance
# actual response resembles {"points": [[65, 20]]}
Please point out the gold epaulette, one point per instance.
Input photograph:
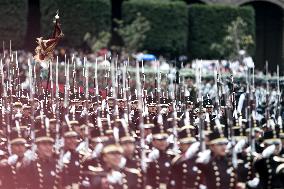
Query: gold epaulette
{"points": [[86, 158], [278, 159], [84, 152], [172, 153], [133, 170], [176, 159], [95, 169], [280, 168]]}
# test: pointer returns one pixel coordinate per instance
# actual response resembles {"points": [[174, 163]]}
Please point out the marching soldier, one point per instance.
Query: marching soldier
{"points": [[184, 168], [72, 159], [13, 171], [44, 172], [159, 168], [216, 167], [266, 166], [118, 176]]}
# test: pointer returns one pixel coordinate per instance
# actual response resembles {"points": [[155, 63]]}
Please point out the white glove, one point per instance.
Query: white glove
{"points": [[28, 157], [115, 177], [253, 183], [240, 146], [12, 159], [66, 157], [267, 152], [192, 150], [204, 157], [97, 151], [154, 154], [122, 162]]}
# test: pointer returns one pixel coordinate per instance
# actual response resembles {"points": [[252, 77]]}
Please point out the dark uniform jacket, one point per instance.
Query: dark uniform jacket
{"points": [[159, 171], [266, 168], [185, 173], [218, 173], [14, 176], [73, 170], [43, 174]]}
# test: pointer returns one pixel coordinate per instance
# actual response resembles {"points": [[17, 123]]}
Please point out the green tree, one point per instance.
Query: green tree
{"points": [[236, 39], [133, 34], [96, 43]]}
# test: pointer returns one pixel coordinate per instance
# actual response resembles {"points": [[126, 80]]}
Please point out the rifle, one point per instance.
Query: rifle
{"points": [[198, 78], [267, 113], [141, 121], [174, 113], [87, 104]]}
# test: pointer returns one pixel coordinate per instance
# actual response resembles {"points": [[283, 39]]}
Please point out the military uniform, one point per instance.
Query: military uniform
{"points": [[267, 165], [217, 171], [43, 174], [184, 168], [159, 171], [13, 172], [14, 176], [73, 162], [72, 171]]}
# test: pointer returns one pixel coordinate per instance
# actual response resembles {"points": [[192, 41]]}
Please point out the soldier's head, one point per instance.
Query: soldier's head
{"points": [[112, 154], [152, 109], [186, 137], [159, 137], [45, 148], [217, 143], [128, 148], [126, 139], [19, 149], [121, 103], [271, 137], [71, 136], [219, 149], [134, 105], [71, 142], [160, 143], [52, 125], [18, 143]]}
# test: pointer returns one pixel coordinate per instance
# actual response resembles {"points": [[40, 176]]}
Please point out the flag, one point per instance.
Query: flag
{"points": [[45, 49]]}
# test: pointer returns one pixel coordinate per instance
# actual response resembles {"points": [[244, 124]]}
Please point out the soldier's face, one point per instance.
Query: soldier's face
{"points": [[190, 107], [128, 148], [160, 144], [134, 105], [18, 149], [121, 104], [171, 108], [209, 110], [110, 103], [183, 147], [71, 143], [78, 129], [45, 149], [219, 149], [112, 160], [104, 183], [26, 112], [147, 131], [258, 135], [52, 126], [152, 109]]}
